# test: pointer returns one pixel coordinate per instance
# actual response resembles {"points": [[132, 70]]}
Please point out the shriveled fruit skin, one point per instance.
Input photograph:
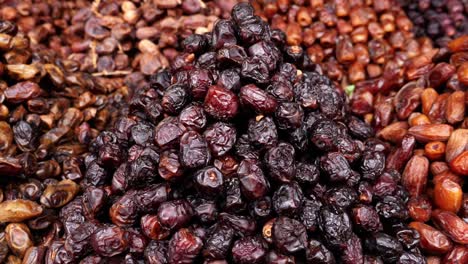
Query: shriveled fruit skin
{"points": [[253, 182], [57, 195], [257, 99], [249, 250], [18, 210], [19, 238], [194, 151], [221, 103], [432, 240], [420, 208], [22, 91], [243, 150], [452, 225], [184, 246], [317, 252], [336, 227], [384, 245], [109, 241], [289, 235], [218, 244]]}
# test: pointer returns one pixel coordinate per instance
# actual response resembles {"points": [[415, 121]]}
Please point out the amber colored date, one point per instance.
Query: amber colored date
{"points": [[452, 225], [448, 195], [460, 163], [18, 210], [432, 240]]}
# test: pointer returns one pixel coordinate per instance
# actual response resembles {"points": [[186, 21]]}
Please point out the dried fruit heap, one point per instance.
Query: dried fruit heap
{"points": [[115, 38], [237, 155], [49, 113], [427, 120], [352, 40], [441, 20]]}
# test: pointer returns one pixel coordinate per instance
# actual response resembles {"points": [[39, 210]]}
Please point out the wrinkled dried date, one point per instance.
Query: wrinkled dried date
{"points": [[18, 210], [432, 240], [452, 225]]}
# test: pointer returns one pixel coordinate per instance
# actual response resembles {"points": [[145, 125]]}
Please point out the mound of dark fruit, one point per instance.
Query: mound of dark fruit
{"points": [[441, 20], [236, 155]]}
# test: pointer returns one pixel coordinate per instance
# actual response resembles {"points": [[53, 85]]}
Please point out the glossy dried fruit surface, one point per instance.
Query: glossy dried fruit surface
{"points": [[59, 194], [109, 241], [427, 126], [459, 164], [432, 240], [452, 225], [415, 174], [221, 103], [458, 254], [19, 238], [457, 143], [19, 210], [433, 132], [242, 151], [448, 195], [22, 91], [184, 246]]}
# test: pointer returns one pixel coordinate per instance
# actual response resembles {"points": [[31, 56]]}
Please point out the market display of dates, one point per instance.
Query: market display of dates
{"points": [[229, 131]]}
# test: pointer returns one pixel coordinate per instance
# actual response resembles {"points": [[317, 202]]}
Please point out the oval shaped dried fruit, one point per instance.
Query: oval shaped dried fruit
{"points": [[457, 143], [448, 195], [460, 164], [432, 240], [432, 132], [18, 210], [452, 225], [414, 177], [58, 195]]}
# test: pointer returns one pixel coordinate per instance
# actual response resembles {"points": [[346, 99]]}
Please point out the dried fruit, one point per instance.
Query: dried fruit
{"points": [[428, 97], [394, 132], [459, 254], [414, 177], [19, 238], [457, 143], [19, 210], [211, 149], [432, 240], [22, 91], [434, 150], [58, 195], [452, 225], [460, 163], [458, 44], [420, 208], [432, 132], [448, 195], [455, 111]]}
